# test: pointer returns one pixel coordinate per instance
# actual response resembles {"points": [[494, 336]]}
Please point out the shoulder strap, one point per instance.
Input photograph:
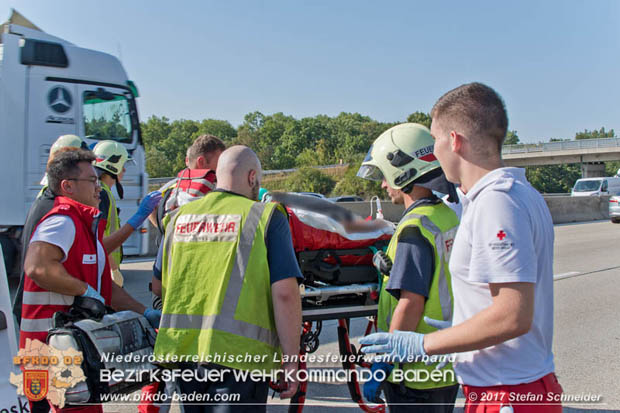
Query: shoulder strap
{"points": [[104, 203], [161, 210]]}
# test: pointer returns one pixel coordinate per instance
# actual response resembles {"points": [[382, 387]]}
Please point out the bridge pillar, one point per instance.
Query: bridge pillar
{"points": [[592, 169]]}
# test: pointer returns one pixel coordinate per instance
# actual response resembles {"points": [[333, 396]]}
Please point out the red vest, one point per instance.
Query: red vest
{"points": [[39, 305], [196, 182]]}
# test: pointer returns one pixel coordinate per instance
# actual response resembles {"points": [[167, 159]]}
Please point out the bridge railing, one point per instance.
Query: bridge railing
{"points": [[561, 145]]}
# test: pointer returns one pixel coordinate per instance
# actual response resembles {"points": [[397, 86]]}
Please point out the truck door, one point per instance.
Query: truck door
{"points": [[95, 111], [52, 111]]}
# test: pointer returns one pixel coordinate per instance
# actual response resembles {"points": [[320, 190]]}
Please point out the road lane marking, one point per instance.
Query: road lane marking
{"points": [[577, 274], [566, 275]]}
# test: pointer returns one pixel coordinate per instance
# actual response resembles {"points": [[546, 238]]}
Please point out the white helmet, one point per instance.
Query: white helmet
{"points": [[401, 155]]}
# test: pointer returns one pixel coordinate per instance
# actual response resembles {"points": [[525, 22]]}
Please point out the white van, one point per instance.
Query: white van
{"points": [[596, 186]]}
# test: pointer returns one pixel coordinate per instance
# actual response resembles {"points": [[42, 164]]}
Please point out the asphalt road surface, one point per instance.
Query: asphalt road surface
{"points": [[586, 332]]}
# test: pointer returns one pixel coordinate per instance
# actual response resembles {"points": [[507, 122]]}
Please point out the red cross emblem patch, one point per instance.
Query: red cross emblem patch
{"points": [[501, 235]]}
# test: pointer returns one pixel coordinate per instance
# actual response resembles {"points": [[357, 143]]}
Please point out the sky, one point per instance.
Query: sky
{"points": [[555, 63]]}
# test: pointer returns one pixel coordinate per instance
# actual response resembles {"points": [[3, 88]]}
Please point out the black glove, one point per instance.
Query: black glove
{"points": [[382, 262]]}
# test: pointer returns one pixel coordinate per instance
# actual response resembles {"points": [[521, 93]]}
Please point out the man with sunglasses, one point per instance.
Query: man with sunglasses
{"points": [[66, 256]]}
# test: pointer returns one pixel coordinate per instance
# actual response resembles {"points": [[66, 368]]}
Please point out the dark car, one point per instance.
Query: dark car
{"points": [[347, 198]]}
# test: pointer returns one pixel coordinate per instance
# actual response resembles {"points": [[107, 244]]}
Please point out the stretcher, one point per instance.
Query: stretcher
{"points": [[341, 303], [340, 284]]}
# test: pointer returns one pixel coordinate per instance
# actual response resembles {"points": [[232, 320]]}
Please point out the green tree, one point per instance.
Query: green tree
{"points": [[595, 134], [157, 165], [553, 178], [309, 180], [155, 130], [511, 138], [421, 118], [220, 128], [612, 168], [350, 184]]}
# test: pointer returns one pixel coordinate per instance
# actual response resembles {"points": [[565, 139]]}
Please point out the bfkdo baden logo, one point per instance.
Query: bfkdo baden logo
{"points": [[47, 372], [36, 384]]}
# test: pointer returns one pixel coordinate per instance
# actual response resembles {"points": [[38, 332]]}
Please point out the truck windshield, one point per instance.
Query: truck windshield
{"points": [[107, 116], [587, 186]]}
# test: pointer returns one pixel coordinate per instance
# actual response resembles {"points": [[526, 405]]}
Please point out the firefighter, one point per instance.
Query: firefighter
{"points": [[416, 278], [242, 250], [110, 159]]}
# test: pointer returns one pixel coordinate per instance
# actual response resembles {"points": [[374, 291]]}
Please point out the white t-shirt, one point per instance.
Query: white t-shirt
{"points": [[59, 230], [506, 235]]}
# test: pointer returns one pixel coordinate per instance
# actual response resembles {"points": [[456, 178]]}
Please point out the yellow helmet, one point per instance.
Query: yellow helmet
{"points": [[110, 156], [401, 155]]}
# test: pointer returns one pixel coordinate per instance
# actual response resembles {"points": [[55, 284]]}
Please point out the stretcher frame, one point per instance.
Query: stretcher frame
{"points": [[315, 315]]}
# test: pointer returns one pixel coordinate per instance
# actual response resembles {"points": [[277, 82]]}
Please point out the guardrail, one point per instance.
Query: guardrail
{"points": [[562, 145], [288, 171], [161, 181]]}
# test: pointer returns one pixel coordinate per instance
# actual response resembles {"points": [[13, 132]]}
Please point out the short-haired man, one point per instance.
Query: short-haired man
{"points": [[195, 180], [66, 257], [191, 184], [248, 308], [501, 266]]}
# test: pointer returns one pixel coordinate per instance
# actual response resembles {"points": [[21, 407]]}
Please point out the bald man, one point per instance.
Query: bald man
{"points": [[230, 290]]}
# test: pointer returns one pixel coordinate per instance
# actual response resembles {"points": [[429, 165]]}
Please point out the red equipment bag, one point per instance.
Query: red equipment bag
{"points": [[330, 258]]}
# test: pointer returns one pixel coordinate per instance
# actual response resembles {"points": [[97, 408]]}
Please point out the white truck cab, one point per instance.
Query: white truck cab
{"points": [[596, 186], [51, 87]]}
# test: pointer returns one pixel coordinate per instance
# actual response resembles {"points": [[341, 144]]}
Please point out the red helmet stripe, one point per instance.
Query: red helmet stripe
{"points": [[428, 158]]}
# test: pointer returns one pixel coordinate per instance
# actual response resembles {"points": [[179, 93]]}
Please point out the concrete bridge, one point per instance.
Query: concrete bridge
{"points": [[590, 153]]}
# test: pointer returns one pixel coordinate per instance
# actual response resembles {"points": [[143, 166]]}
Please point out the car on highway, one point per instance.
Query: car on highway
{"points": [[314, 194], [347, 198], [614, 208], [596, 186]]}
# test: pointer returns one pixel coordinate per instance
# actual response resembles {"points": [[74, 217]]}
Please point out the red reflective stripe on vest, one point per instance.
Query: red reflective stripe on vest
{"points": [[83, 218]]}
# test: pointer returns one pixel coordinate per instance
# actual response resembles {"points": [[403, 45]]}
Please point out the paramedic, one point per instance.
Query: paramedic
{"points": [[42, 204], [62, 261], [501, 264], [45, 201], [252, 306], [110, 159], [202, 154], [416, 287]]}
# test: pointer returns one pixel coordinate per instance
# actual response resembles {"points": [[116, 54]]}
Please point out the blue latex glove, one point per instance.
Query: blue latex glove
{"points": [[92, 293], [371, 387], [148, 204], [399, 346], [153, 316], [439, 325]]}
